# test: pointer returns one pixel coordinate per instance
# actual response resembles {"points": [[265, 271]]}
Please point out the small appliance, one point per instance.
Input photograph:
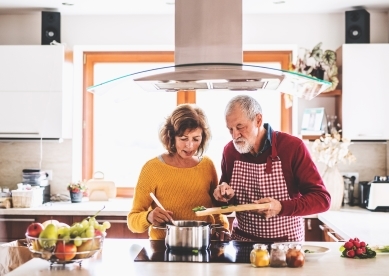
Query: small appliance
{"points": [[37, 177], [375, 194]]}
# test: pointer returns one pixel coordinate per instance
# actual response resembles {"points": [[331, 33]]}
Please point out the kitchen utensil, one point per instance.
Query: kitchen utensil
{"points": [[188, 235], [233, 208], [313, 252], [160, 206], [100, 189]]}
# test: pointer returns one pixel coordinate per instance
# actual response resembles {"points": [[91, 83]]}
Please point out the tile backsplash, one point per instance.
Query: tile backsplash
{"points": [[15, 156]]}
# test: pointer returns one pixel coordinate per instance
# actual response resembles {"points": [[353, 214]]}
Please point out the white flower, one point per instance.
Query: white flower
{"points": [[331, 149]]}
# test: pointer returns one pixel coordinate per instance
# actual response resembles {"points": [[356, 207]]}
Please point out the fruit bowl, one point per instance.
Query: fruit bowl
{"points": [[64, 251]]}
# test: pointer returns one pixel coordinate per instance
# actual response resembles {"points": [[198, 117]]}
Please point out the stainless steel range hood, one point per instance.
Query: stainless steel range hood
{"points": [[209, 56]]}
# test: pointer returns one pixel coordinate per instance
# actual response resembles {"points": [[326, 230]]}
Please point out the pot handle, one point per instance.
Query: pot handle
{"points": [[216, 226]]}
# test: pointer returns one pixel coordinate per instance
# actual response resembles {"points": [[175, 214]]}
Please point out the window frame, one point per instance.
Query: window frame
{"points": [[91, 58]]}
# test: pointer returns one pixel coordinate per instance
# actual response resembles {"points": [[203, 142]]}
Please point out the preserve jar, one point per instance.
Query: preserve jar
{"points": [[259, 256], [295, 256], [277, 255]]}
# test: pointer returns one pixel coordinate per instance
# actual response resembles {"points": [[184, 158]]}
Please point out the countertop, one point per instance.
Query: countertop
{"points": [[113, 207], [118, 255], [351, 222], [348, 222]]}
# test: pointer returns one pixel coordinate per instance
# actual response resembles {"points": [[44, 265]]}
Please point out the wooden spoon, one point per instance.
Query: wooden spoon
{"points": [[160, 206]]}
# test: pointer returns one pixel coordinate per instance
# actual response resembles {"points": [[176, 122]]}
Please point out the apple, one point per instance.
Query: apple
{"points": [[65, 251], [34, 229]]}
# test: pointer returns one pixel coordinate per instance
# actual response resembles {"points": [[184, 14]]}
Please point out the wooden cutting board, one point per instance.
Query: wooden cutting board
{"points": [[233, 208]]}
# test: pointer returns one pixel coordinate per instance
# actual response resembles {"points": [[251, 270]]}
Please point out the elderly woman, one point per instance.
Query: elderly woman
{"points": [[181, 178]]}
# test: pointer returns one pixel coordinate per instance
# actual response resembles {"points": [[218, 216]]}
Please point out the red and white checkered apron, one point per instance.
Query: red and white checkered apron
{"points": [[252, 182]]}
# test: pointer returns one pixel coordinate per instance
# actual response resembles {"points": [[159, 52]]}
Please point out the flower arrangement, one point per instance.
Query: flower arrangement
{"points": [[76, 187], [319, 64], [331, 148]]}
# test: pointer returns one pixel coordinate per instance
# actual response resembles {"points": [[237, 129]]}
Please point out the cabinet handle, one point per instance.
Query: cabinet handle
{"points": [[16, 219], [309, 224], [114, 221], [19, 133], [332, 236], [322, 227]]}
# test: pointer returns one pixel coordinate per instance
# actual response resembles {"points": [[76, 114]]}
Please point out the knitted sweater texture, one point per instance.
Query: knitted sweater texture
{"points": [[178, 189]]}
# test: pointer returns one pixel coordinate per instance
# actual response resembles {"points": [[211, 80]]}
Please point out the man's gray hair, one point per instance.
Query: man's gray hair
{"points": [[246, 103]]}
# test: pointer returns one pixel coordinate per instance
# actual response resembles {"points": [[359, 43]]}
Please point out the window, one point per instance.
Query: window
{"points": [[119, 135]]}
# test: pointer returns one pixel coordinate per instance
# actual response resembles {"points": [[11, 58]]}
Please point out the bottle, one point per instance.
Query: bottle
{"points": [[277, 255], [259, 256], [295, 257]]}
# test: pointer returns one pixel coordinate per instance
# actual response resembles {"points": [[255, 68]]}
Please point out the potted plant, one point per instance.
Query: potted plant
{"points": [[76, 190]]}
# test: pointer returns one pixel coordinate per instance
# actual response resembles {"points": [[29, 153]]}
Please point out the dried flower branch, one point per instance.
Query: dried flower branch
{"points": [[331, 149]]}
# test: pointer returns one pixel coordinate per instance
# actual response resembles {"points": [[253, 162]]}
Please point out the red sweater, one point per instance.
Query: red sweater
{"points": [[305, 185]]}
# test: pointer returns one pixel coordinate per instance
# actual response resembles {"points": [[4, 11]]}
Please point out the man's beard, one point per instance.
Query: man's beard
{"points": [[242, 148]]}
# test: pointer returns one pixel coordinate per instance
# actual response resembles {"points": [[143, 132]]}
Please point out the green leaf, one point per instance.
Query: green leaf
{"points": [[341, 249]]}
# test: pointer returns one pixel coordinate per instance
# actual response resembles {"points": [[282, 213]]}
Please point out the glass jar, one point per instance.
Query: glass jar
{"points": [[259, 256], [295, 257], [277, 255]]}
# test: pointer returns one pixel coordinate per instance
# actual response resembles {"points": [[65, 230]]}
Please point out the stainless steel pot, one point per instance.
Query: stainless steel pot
{"points": [[175, 256], [188, 235]]}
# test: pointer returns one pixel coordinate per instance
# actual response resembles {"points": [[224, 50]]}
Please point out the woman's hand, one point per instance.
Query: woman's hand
{"points": [[223, 192], [159, 217]]}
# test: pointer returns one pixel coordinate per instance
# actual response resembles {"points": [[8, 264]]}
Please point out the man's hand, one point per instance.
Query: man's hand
{"points": [[274, 209], [159, 217], [223, 192]]}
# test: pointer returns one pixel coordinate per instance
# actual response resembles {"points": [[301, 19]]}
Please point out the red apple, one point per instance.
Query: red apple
{"points": [[65, 251], [34, 229]]}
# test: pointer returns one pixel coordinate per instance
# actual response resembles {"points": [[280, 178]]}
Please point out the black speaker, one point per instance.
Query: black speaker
{"points": [[357, 26], [51, 27]]}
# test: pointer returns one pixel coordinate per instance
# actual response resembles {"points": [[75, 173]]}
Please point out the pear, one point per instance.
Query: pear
{"points": [[48, 237]]}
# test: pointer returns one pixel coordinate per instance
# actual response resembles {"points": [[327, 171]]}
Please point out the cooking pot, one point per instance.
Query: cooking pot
{"points": [[188, 235]]}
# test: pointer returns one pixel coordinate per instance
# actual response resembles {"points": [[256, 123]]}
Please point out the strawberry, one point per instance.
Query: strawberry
{"points": [[350, 253], [348, 245]]}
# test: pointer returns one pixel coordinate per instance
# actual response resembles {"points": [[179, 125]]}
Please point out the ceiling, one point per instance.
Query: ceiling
{"points": [[85, 7]]}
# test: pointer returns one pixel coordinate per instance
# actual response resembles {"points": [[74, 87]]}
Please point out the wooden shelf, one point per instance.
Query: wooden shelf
{"points": [[336, 93]]}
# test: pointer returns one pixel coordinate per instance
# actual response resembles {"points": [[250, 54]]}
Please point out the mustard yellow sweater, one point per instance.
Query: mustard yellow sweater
{"points": [[178, 189]]}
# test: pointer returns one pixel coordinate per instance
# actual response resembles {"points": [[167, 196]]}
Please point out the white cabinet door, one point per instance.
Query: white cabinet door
{"points": [[31, 91], [32, 68], [365, 91], [32, 115]]}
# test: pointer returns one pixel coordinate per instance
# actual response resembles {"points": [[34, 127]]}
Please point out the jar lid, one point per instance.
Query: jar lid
{"points": [[277, 246], [261, 246]]}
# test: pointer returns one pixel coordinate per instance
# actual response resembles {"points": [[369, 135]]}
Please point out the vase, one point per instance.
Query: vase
{"points": [[333, 180], [76, 197]]}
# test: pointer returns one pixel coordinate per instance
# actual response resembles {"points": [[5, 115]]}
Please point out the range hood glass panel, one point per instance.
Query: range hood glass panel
{"points": [[231, 76]]}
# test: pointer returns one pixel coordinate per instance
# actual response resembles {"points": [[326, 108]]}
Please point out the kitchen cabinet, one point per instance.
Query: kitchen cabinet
{"points": [[13, 227], [363, 73], [312, 229], [31, 91], [329, 235]]}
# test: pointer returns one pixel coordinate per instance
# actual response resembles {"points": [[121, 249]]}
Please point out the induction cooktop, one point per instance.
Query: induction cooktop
{"points": [[218, 252]]}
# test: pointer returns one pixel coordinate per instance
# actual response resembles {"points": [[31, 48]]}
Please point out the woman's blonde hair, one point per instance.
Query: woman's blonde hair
{"points": [[185, 117]]}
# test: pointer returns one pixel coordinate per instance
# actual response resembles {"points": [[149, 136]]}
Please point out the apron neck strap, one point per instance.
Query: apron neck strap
{"points": [[274, 154]]}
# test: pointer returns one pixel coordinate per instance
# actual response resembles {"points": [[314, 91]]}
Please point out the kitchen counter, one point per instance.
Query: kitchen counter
{"points": [[351, 222], [113, 207], [118, 255]]}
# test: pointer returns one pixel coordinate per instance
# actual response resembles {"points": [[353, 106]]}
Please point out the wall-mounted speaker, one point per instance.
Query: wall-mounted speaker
{"points": [[51, 27], [357, 26]]}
